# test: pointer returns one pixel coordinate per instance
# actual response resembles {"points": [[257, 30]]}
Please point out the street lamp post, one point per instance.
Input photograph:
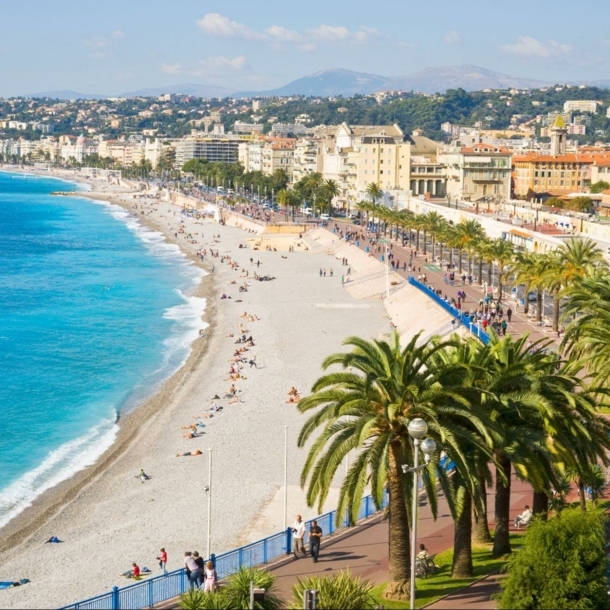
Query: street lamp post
{"points": [[418, 428], [209, 492]]}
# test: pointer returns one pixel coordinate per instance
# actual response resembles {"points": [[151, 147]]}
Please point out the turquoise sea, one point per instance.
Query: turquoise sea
{"points": [[95, 314]]}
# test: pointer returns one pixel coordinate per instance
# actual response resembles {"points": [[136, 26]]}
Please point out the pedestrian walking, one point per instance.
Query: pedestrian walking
{"points": [[320, 272], [504, 325], [509, 313], [324, 272], [315, 537], [162, 560], [252, 362], [298, 534]]}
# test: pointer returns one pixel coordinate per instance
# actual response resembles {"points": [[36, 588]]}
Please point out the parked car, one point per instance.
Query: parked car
{"points": [[356, 221], [324, 217]]}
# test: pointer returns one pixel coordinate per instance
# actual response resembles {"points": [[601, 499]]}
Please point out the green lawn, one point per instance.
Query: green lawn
{"points": [[432, 588]]}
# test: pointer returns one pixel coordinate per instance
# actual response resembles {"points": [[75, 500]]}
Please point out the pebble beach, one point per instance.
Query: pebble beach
{"points": [[106, 517]]}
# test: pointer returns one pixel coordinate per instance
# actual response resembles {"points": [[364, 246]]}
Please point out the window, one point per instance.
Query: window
{"points": [[381, 171], [381, 162], [381, 150], [389, 172], [366, 171]]}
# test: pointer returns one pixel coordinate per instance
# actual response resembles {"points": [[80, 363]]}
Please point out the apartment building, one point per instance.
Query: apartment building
{"points": [[212, 147], [278, 153], [478, 171], [307, 158], [580, 105], [557, 173]]}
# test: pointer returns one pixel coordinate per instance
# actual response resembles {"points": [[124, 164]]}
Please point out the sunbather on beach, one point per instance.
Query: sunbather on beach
{"points": [[189, 453]]}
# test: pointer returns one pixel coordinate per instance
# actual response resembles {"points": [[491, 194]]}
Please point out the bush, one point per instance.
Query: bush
{"points": [[339, 591], [562, 564], [235, 593]]}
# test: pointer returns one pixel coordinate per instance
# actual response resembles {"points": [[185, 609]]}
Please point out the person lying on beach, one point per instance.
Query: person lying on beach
{"points": [[189, 453], [215, 407], [236, 400], [294, 399], [190, 435]]}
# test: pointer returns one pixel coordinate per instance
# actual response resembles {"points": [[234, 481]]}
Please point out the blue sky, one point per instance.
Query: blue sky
{"points": [[123, 45]]}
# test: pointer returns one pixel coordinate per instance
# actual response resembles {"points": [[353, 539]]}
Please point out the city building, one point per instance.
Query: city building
{"points": [[211, 147], [477, 172], [580, 105]]}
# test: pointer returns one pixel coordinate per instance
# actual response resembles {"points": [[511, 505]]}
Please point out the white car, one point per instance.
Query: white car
{"points": [[324, 217]]}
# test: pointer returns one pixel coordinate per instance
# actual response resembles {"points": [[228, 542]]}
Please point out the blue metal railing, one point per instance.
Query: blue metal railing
{"points": [[462, 317], [147, 593]]}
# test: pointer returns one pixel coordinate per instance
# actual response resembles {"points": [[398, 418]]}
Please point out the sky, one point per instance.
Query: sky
{"points": [[119, 46]]}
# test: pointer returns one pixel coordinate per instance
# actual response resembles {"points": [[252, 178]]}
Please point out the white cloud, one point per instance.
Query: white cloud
{"points": [[277, 32], [452, 38], [219, 25], [329, 32], [531, 47], [98, 55], [171, 68], [118, 34], [216, 24], [96, 42]]}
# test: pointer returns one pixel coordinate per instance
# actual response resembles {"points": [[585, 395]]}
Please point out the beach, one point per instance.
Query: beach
{"points": [[106, 517]]}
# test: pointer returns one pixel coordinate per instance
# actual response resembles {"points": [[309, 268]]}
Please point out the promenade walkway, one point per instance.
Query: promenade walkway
{"points": [[365, 551]]}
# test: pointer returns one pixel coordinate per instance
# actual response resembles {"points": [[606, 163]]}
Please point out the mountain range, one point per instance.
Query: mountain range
{"points": [[338, 81]]}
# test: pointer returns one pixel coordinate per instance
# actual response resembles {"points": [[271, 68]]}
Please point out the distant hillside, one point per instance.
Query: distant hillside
{"points": [[469, 78], [431, 80], [326, 84]]}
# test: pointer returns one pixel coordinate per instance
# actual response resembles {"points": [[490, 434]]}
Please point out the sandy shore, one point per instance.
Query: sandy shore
{"points": [[105, 516]]}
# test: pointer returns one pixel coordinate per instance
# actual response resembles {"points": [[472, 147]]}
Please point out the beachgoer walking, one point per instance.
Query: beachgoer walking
{"points": [[162, 560], [210, 578], [503, 325], [315, 536], [509, 313], [252, 362], [298, 534], [320, 272]]}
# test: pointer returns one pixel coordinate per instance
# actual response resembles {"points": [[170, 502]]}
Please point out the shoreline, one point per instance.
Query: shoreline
{"points": [[301, 319], [50, 502]]}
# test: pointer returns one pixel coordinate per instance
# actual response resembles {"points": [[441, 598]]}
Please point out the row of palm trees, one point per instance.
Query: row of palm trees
{"points": [[503, 406], [554, 271], [507, 407]]}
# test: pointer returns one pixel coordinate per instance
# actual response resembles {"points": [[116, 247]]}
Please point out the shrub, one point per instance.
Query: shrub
{"points": [[235, 593], [562, 564], [339, 591]]}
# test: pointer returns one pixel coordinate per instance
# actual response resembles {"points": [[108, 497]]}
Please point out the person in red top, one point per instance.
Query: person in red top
{"points": [[163, 560], [136, 571]]}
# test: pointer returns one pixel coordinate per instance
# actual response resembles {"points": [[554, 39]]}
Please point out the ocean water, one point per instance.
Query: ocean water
{"points": [[95, 313]]}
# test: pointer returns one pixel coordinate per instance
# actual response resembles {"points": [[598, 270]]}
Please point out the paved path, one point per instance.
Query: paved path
{"points": [[365, 552]]}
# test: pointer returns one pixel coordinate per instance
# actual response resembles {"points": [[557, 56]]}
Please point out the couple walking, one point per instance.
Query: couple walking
{"points": [[198, 573], [298, 536]]}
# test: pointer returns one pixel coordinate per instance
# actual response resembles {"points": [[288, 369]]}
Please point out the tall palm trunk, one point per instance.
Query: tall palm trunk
{"points": [[417, 239], [540, 504], [459, 260], [500, 284], [469, 264], [490, 268], [581, 496], [502, 512], [462, 541], [538, 305], [556, 310], [425, 242], [399, 544], [480, 526], [480, 271]]}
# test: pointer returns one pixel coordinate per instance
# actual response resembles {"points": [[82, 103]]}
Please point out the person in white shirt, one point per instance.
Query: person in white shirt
{"points": [[298, 533], [524, 518]]}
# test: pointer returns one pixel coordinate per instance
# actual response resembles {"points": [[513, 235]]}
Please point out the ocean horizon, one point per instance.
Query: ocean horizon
{"points": [[97, 312]]}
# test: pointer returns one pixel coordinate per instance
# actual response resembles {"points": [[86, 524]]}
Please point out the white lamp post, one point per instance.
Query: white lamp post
{"points": [[418, 429]]}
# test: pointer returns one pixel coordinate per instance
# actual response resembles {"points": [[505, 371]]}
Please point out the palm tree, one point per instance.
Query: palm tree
{"points": [[282, 200], [501, 252], [332, 190], [467, 232], [567, 266], [434, 225], [528, 269], [374, 192], [587, 336], [367, 410]]}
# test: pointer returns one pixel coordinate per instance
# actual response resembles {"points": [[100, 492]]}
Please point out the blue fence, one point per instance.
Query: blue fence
{"points": [[463, 318], [157, 589]]}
